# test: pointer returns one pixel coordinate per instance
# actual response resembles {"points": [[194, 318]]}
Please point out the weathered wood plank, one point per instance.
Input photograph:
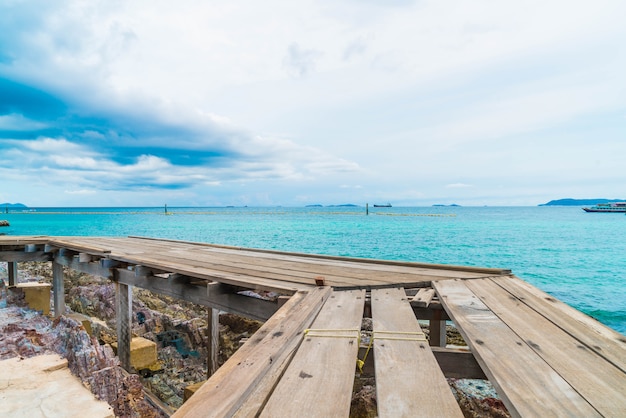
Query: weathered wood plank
{"points": [[409, 382], [387, 263], [423, 297], [319, 379], [233, 383], [597, 337], [526, 383], [599, 382]]}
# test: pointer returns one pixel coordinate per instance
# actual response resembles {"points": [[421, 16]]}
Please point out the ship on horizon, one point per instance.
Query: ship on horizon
{"points": [[614, 207]]}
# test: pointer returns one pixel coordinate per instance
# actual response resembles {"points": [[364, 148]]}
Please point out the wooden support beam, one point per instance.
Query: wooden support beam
{"points": [[458, 363], [213, 341], [84, 257], [21, 256], [58, 286], [32, 248], [94, 268], [12, 273], [437, 330], [216, 296], [123, 309], [434, 311]]}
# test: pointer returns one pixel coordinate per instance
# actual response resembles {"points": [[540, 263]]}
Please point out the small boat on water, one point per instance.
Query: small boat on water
{"points": [[388, 205], [615, 207]]}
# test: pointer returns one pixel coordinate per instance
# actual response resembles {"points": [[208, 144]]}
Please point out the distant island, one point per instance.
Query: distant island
{"points": [[580, 202], [14, 205], [4, 207], [442, 205]]}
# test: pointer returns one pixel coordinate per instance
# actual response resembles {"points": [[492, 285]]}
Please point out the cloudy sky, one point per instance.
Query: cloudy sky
{"points": [[147, 102]]}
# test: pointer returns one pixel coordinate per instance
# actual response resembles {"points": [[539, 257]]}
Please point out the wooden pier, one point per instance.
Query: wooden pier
{"points": [[543, 357]]}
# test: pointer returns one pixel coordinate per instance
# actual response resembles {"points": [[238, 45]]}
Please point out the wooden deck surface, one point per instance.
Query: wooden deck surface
{"points": [[543, 357]]}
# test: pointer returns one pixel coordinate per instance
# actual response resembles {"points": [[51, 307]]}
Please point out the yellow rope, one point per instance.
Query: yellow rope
{"points": [[418, 336], [386, 335], [328, 333]]}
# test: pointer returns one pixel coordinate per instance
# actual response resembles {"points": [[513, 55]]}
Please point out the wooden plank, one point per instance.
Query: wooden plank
{"points": [[597, 337], [409, 382], [448, 267], [423, 297], [319, 379], [84, 245], [597, 380], [233, 383], [527, 385]]}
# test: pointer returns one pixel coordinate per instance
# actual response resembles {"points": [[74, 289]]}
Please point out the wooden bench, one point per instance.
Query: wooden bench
{"points": [[319, 380], [544, 358], [409, 382]]}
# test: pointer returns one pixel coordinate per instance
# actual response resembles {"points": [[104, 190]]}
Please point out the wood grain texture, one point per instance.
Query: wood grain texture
{"points": [[528, 385], [409, 381], [600, 383], [232, 384], [319, 380]]}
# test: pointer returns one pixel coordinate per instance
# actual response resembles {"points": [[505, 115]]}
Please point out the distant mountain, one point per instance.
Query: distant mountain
{"points": [[580, 202], [14, 205]]}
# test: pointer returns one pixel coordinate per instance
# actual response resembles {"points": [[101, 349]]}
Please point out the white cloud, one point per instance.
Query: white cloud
{"points": [[400, 97]]}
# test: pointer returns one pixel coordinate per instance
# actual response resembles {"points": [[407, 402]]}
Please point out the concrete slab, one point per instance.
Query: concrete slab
{"points": [[43, 387]]}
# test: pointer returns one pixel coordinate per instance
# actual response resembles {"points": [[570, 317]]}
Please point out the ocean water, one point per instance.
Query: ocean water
{"points": [[578, 257]]}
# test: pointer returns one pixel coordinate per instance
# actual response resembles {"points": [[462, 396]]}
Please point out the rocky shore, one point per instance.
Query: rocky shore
{"points": [[178, 328]]}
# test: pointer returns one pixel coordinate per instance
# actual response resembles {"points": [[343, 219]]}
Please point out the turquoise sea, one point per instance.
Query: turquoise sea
{"points": [[578, 257]]}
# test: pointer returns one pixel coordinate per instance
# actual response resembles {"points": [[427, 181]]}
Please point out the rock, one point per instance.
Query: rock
{"points": [[478, 398], [4, 223]]}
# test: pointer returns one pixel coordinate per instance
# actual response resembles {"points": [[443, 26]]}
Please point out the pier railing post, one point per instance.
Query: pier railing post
{"points": [[12, 267], [58, 286], [123, 309]]}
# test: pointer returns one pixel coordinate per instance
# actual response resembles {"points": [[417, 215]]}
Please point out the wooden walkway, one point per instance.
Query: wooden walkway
{"points": [[543, 357]]}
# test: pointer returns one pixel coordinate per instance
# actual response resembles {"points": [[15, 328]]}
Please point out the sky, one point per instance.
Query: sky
{"points": [[293, 103]]}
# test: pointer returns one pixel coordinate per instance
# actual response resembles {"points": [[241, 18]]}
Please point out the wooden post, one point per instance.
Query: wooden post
{"points": [[12, 267], [123, 308], [367, 208], [58, 286], [437, 330], [213, 341]]}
